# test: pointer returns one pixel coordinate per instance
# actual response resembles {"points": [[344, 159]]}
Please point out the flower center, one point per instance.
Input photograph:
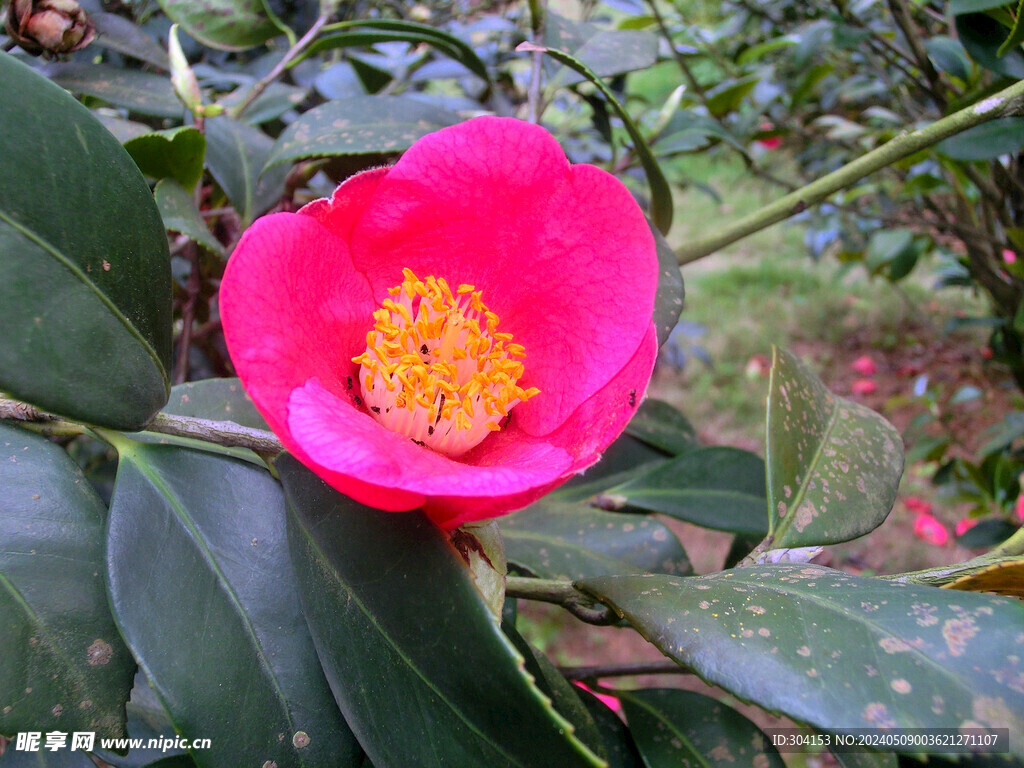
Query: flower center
{"points": [[436, 368]]}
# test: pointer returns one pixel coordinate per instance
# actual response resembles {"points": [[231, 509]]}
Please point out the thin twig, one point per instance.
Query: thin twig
{"points": [[1007, 102], [290, 55], [625, 670], [225, 433]]}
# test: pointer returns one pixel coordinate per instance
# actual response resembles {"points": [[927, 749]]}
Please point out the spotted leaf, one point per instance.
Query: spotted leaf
{"points": [[833, 465], [838, 651]]}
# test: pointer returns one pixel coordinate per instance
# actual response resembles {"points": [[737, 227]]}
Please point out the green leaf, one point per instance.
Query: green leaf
{"points": [[837, 651], [949, 56], [396, 619], [564, 696], [147, 719], [982, 36], [236, 154], [618, 742], [216, 622], [888, 248], [661, 193], [673, 727], [136, 91], [719, 487], [834, 466], [85, 281], [64, 666], [388, 30], [179, 212], [230, 25], [1001, 136], [358, 125], [177, 154], [1016, 33], [117, 33], [610, 52], [277, 99], [960, 7], [217, 400], [668, 302], [729, 97], [553, 540], [660, 425]]}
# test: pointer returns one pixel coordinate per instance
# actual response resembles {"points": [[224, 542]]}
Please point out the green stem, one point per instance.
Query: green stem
{"points": [[562, 593], [290, 55], [1009, 101]]}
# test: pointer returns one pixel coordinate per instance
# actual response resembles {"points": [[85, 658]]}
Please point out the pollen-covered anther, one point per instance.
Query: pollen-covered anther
{"points": [[436, 369]]}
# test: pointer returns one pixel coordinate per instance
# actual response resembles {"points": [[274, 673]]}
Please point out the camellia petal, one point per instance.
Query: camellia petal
{"points": [[558, 257]]}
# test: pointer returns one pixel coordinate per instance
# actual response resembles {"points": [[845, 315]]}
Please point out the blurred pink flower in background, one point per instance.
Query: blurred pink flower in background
{"points": [[929, 529], [863, 387], [864, 365]]}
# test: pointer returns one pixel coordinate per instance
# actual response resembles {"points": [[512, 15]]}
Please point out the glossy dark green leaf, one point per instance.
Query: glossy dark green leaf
{"points": [[230, 25], [1001, 136], [216, 622], [340, 35], [949, 56], [659, 424], [147, 719], [553, 540], [358, 125], [236, 154], [563, 694], [719, 487], [64, 666], [618, 742], [620, 462], [397, 619], [217, 400], [179, 213], [672, 727], [120, 34], [136, 91], [177, 153], [661, 193], [837, 651], [981, 36], [668, 302], [833, 465], [886, 246], [85, 281]]}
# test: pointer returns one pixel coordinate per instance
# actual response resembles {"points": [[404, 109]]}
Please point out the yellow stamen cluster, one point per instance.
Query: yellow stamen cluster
{"points": [[437, 369]]}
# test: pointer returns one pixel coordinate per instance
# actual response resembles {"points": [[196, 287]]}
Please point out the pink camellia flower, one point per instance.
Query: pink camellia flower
{"points": [[964, 524], [609, 701], [1019, 505], [864, 365], [929, 529], [462, 332], [863, 387], [917, 504]]}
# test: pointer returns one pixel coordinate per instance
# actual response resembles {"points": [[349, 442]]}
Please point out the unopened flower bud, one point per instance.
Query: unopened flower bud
{"points": [[182, 77], [49, 27]]}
